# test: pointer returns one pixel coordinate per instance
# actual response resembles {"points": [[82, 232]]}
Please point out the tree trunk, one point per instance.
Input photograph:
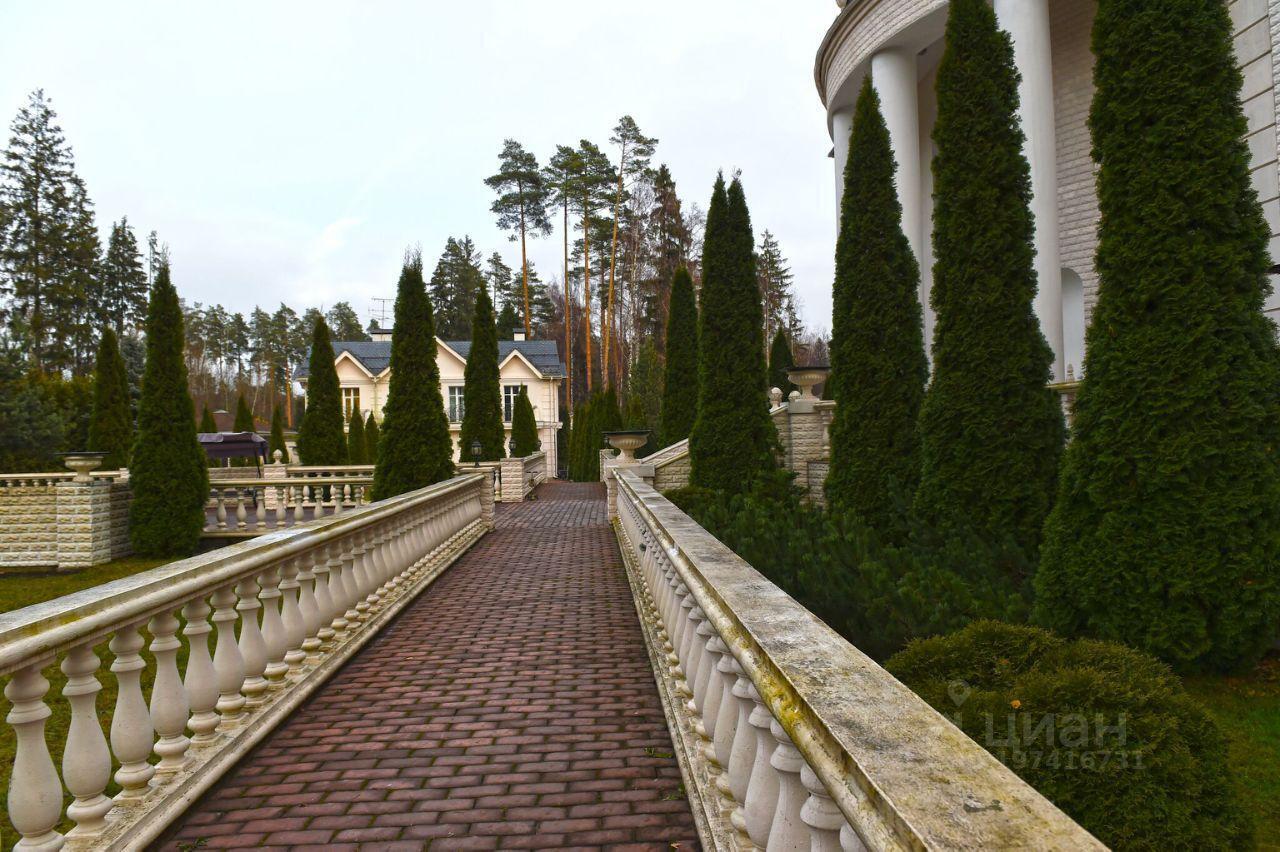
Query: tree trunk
{"points": [[568, 321], [524, 268], [586, 290], [613, 262]]}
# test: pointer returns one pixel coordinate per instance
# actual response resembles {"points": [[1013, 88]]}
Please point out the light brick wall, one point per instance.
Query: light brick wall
{"points": [[521, 475], [865, 27], [63, 526], [673, 472], [28, 527]]}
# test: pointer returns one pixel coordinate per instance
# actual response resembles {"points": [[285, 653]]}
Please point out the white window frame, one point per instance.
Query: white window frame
{"points": [[457, 403], [510, 393], [350, 401]]}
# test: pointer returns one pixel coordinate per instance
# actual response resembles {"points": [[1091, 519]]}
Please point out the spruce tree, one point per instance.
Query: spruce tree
{"points": [[276, 441], [111, 423], [508, 320], [879, 368], [524, 428], [991, 431], [680, 376], [1167, 523], [780, 361], [371, 439], [357, 448], [733, 439], [321, 439], [207, 423], [482, 393], [167, 472], [414, 449], [122, 298]]}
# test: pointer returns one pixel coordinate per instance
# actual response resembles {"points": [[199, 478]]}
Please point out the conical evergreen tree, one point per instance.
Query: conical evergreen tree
{"points": [[780, 361], [371, 438], [357, 449], [577, 435], [414, 449], [244, 417], [167, 467], [680, 378], [879, 368], [733, 439], [276, 441], [524, 427], [321, 438], [1167, 526], [111, 423], [207, 423], [482, 393], [991, 431]]}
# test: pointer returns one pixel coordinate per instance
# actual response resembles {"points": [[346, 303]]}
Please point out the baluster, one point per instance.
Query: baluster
{"points": [[337, 595], [241, 515], [291, 615], [690, 653], [221, 511], [337, 499], [727, 718], [273, 634], [260, 507], [131, 723], [713, 690], [228, 664], [742, 750], [282, 510], [762, 788], [376, 574], [202, 685], [850, 841], [168, 698], [35, 793], [365, 572], [253, 649], [787, 830], [820, 813], [86, 760], [311, 601], [352, 579]]}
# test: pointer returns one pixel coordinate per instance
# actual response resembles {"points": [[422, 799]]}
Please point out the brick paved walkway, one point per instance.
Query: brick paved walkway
{"points": [[510, 706]]}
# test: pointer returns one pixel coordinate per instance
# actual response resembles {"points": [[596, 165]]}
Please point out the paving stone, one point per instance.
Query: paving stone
{"points": [[510, 705]]}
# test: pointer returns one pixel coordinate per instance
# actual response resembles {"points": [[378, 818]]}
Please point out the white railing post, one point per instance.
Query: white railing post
{"points": [[35, 793], [228, 663], [337, 594], [762, 786], [169, 706], [291, 616], [273, 635], [86, 760], [309, 591], [787, 830], [253, 648], [820, 814], [201, 684], [131, 730]]}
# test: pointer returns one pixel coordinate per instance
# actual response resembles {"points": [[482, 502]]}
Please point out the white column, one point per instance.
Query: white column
{"points": [[893, 74], [1027, 22], [841, 127]]}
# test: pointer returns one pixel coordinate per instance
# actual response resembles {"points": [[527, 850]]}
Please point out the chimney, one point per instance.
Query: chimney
{"points": [[518, 335]]}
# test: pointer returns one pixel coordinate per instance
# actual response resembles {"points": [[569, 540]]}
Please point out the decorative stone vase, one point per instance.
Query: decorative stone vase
{"points": [[83, 463], [806, 377], [626, 442]]}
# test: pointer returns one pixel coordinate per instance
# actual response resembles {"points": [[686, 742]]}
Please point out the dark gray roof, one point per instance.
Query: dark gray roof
{"points": [[375, 355]]}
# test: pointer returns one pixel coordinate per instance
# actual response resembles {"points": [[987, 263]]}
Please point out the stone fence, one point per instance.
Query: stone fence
{"points": [[304, 599], [517, 477], [788, 737], [62, 522]]}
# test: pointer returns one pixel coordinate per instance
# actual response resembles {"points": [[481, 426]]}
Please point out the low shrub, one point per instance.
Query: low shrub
{"points": [[1105, 732]]}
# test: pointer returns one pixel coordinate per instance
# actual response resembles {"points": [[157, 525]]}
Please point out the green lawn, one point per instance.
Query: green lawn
{"points": [[17, 591], [1247, 710]]}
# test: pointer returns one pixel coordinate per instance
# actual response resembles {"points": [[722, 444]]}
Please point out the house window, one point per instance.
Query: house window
{"points": [[457, 406], [350, 402], [509, 395]]}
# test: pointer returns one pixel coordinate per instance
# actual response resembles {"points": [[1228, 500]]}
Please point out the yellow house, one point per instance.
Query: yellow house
{"points": [[364, 373]]}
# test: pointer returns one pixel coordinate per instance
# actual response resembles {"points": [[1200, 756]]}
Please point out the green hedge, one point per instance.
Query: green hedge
{"points": [[1105, 732]]}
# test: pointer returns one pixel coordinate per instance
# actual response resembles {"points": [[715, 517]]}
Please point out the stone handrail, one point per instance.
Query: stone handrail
{"points": [[33, 480], [323, 589], [518, 476], [298, 470], [258, 505], [798, 736]]}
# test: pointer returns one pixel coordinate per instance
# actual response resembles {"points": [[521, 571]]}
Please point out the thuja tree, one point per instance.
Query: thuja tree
{"points": [[244, 417], [1167, 524], [167, 468], [207, 423], [111, 422], [276, 441], [482, 408], [733, 438], [524, 428], [991, 430], [780, 361], [357, 449], [680, 376], [414, 449], [371, 437], [321, 439], [878, 363]]}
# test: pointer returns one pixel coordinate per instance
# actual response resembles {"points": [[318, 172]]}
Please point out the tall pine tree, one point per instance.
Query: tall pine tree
{"points": [[1167, 525], [521, 207], [482, 394], [680, 377], [167, 471], [879, 368], [122, 299], [321, 439], [991, 431], [414, 449], [733, 439], [111, 423]]}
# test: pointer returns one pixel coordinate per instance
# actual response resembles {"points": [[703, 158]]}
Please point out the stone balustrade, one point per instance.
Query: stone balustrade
{"points": [[304, 600], [242, 507], [518, 476], [787, 735]]}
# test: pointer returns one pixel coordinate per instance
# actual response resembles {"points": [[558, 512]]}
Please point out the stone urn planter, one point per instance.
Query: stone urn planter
{"points": [[806, 377], [626, 442], [83, 463]]}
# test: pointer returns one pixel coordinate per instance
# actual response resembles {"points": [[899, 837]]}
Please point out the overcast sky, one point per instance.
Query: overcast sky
{"points": [[291, 151]]}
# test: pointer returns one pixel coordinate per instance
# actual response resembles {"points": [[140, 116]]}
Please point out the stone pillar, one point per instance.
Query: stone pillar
{"points": [[893, 74], [841, 127], [486, 501], [645, 471], [276, 470], [1027, 22], [92, 523]]}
